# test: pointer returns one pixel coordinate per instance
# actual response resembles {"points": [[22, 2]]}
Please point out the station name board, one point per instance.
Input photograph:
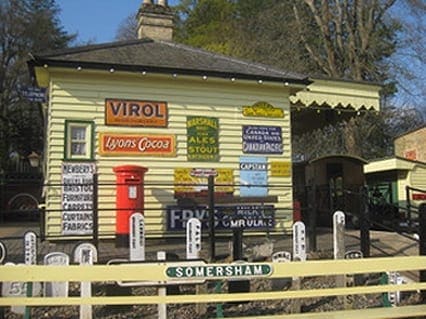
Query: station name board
{"points": [[219, 271]]}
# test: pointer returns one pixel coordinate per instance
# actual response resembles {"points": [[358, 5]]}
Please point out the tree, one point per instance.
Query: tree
{"points": [[409, 60], [339, 39], [209, 25], [26, 26], [128, 29], [352, 38]]}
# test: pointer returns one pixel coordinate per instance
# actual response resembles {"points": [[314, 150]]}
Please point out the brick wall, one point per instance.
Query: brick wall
{"points": [[412, 145]]}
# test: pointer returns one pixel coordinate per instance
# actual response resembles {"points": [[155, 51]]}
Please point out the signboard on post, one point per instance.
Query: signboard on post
{"points": [[213, 271], [192, 182], [77, 198], [137, 237], [56, 289]]}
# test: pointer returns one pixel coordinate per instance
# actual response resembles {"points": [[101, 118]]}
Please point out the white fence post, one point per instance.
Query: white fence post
{"points": [[299, 254], [30, 253], [162, 291], [339, 245]]}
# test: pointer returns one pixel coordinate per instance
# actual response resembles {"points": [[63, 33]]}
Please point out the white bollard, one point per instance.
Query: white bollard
{"points": [[299, 241], [137, 237], [339, 235], [85, 254], [56, 289], [193, 238]]}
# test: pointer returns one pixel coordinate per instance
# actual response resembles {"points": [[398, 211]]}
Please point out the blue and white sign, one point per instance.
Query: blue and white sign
{"points": [[35, 94], [256, 217], [262, 139], [253, 176]]}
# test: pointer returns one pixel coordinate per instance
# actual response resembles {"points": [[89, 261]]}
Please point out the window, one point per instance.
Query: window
{"points": [[78, 140]]}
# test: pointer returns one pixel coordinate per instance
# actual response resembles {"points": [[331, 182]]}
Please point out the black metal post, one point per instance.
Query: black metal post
{"points": [[407, 197], [211, 218], [42, 222], [2, 198], [237, 244], [95, 212], [364, 222], [422, 243]]}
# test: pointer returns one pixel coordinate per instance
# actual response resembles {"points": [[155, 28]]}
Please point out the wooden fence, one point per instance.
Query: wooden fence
{"points": [[187, 271]]}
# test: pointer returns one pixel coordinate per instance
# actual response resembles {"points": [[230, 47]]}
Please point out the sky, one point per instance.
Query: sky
{"points": [[96, 21]]}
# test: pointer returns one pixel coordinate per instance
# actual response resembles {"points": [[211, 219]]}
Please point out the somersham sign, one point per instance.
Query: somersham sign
{"points": [[220, 271]]}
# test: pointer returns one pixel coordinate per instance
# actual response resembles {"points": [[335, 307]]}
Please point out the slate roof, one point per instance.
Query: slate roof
{"points": [[163, 57]]}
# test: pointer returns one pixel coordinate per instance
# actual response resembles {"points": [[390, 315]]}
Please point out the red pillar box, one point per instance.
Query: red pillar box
{"points": [[297, 212], [129, 199]]}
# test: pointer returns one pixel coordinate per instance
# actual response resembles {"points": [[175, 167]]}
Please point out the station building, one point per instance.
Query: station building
{"points": [[164, 116]]}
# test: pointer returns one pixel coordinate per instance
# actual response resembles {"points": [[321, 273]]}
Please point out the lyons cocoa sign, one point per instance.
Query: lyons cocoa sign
{"points": [[137, 144]]}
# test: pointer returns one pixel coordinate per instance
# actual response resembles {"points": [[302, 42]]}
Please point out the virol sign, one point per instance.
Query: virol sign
{"points": [[135, 113]]}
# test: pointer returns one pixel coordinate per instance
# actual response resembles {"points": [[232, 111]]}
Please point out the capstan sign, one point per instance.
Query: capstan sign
{"points": [[135, 113], [137, 144]]}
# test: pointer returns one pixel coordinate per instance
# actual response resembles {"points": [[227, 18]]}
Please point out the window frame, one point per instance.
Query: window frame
{"points": [[89, 140]]}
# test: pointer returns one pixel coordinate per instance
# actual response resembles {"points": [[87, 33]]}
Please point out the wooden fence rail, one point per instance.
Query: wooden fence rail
{"points": [[161, 272]]}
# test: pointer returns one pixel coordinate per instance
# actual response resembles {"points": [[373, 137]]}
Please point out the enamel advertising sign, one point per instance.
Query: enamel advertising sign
{"points": [[191, 182], [137, 144], [263, 109], [203, 139], [253, 176], [77, 198], [135, 113], [249, 217], [262, 139]]}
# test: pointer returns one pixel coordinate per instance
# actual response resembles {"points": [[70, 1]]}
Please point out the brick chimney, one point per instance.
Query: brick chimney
{"points": [[155, 20]]}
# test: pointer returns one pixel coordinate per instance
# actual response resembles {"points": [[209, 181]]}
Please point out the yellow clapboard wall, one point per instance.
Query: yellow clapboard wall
{"points": [[80, 95]]}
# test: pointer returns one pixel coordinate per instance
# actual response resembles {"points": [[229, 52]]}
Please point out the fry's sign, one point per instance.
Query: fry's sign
{"points": [[135, 113], [137, 144]]}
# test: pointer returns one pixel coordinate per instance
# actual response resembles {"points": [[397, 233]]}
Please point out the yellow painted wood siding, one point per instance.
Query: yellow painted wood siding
{"points": [[81, 96], [418, 180]]}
